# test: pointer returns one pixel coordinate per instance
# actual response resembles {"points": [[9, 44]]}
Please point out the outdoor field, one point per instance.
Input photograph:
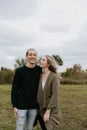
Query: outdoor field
{"points": [[73, 105]]}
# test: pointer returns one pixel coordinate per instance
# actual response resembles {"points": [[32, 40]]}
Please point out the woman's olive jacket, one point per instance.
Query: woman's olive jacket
{"points": [[48, 98]]}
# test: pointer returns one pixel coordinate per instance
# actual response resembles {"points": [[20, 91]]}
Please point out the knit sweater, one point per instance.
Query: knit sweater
{"points": [[24, 87]]}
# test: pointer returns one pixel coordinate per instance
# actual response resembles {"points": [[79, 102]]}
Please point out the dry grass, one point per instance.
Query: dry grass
{"points": [[73, 104]]}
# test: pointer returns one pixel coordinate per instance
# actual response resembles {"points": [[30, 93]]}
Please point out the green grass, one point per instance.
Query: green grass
{"points": [[73, 104], [7, 121]]}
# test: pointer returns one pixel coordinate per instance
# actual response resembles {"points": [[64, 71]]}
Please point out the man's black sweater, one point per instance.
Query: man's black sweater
{"points": [[24, 87]]}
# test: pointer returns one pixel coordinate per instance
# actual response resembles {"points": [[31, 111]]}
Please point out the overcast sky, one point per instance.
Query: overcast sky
{"points": [[50, 26]]}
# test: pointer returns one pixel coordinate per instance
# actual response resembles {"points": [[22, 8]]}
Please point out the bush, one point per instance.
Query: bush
{"points": [[73, 81], [6, 76]]}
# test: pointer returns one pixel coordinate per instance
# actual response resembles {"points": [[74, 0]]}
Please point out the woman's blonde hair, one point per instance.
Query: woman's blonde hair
{"points": [[52, 63]]}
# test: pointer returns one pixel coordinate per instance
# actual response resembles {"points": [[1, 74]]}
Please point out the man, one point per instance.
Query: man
{"points": [[24, 92]]}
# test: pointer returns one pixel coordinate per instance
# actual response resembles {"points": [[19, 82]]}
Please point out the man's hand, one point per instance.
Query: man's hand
{"points": [[15, 112]]}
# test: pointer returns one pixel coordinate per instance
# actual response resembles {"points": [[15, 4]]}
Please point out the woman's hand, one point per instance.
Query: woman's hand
{"points": [[15, 112], [46, 116]]}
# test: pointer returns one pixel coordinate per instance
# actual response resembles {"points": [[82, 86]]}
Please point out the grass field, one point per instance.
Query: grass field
{"points": [[73, 104]]}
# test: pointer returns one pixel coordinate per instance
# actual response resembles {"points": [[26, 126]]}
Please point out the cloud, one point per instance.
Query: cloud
{"points": [[50, 26], [17, 9]]}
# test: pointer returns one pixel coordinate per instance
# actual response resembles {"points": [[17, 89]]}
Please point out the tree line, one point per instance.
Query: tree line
{"points": [[73, 75]]}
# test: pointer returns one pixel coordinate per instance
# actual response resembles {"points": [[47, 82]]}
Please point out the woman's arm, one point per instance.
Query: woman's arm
{"points": [[54, 97]]}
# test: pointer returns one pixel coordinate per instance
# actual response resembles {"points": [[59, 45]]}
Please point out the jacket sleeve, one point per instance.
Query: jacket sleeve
{"points": [[54, 94], [14, 91]]}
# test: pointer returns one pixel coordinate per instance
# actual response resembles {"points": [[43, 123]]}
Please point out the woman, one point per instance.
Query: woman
{"points": [[47, 97]]}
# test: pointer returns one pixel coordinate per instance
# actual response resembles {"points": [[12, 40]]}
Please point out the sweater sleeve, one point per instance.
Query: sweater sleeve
{"points": [[54, 97], [14, 91]]}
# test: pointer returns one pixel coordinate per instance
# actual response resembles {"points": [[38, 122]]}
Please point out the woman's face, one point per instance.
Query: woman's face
{"points": [[43, 62]]}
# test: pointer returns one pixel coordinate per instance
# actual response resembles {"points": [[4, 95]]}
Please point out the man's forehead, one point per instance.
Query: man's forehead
{"points": [[32, 51]]}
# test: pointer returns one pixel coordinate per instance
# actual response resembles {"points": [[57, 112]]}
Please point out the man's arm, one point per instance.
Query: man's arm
{"points": [[14, 91]]}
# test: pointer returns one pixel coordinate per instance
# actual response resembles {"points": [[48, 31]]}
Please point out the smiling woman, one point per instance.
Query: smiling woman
{"points": [[47, 96]]}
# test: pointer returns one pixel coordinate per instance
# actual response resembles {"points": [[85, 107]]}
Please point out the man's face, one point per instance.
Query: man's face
{"points": [[32, 56]]}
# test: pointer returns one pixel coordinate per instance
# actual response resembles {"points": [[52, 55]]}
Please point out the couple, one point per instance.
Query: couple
{"points": [[35, 92]]}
